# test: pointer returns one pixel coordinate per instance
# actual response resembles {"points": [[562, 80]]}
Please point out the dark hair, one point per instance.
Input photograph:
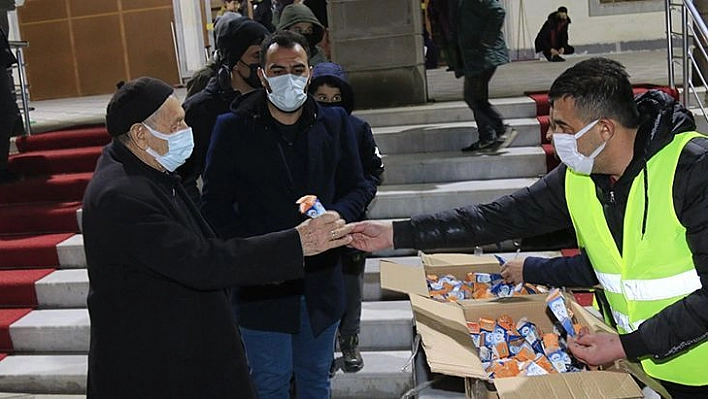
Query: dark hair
{"points": [[283, 38], [562, 9], [600, 88]]}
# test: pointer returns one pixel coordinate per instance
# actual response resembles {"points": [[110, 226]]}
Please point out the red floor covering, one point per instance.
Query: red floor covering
{"points": [[7, 317], [17, 286]]}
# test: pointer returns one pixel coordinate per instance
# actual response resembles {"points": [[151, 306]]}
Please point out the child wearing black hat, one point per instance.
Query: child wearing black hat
{"points": [[330, 87]]}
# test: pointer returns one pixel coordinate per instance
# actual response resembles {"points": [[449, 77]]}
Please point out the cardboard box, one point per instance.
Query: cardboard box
{"points": [[412, 279], [449, 350]]}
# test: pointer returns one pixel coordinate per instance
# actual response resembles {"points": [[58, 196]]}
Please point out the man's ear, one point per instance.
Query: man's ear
{"points": [[139, 135], [607, 128], [309, 80], [264, 81]]}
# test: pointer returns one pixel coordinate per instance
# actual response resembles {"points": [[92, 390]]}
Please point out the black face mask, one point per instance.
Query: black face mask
{"points": [[252, 79], [332, 104]]}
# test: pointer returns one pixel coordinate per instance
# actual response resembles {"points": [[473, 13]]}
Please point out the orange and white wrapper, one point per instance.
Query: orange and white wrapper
{"points": [[311, 206]]}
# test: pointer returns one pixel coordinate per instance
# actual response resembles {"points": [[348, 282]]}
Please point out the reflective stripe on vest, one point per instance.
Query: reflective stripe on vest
{"points": [[655, 268]]}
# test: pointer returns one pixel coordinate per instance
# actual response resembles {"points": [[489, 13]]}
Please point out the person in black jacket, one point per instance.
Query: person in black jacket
{"points": [[331, 88], [552, 39], [616, 140], [276, 146], [239, 43], [161, 321]]}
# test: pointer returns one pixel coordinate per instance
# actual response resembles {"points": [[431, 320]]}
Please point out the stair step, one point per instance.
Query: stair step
{"points": [[63, 289], [453, 111], [53, 162], [402, 201], [384, 326], [439, 137], [57, 374], [39, 218], [71, 251], [441, 167], [64, 187], [383, 376]]}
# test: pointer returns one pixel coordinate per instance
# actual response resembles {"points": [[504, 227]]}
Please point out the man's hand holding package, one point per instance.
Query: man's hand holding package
{"points": [[596, 349], [369, 236], [513, 271], [323, 233]]}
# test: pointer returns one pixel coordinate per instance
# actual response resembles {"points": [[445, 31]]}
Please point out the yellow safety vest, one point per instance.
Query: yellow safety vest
{"points": [[655, 269]]}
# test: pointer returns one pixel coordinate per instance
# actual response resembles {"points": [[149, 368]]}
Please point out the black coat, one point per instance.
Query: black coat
{"points": [[161, 323], [253, 177], [553, 34], [542, 208], [201, 111]]}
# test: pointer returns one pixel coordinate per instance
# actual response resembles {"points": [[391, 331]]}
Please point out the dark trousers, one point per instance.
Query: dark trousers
{"points": [[566, 50], [476, 93], [353, 264]]}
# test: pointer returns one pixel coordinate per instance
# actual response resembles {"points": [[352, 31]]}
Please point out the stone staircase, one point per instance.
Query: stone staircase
{"points": [[425, 172]]}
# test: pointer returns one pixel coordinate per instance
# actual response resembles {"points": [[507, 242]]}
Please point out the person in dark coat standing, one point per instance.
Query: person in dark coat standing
{"points": [[481, 49], [552, 39], [331, 88], [276, 146], [161, 321], [239, 43]]}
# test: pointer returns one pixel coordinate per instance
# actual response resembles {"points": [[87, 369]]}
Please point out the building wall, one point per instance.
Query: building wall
{"points": [[83, 47]]}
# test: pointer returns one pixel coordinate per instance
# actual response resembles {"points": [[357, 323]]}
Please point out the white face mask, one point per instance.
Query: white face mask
{"points": [[179, 147], [566, 146], [287, 91]]}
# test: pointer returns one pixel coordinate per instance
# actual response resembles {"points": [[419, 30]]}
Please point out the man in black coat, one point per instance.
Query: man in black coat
{"points": [[161, 322], [276, 146], [238, 40], [552, 39]]}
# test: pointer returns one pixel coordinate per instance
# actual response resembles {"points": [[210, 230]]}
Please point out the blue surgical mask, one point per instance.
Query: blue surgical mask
{"points": [[179, 147], [287, 91], [566, 146]]}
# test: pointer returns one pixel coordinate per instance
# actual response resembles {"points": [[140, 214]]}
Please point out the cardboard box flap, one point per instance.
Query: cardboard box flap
{"points": [[448, 346], [403, 278], [456, 259], [584, 385]]}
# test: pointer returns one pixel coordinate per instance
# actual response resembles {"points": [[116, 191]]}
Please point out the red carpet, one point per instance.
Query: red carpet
{"points": [[30, 251], [93, 136], [7, 317], [65, 187], [49, 162], [2, 356], [39, 218], [17, 286]]}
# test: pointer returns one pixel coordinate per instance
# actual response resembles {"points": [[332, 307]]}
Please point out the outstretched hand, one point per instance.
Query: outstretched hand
{"points": [[513, 271], [323, 233], [369, 236]]}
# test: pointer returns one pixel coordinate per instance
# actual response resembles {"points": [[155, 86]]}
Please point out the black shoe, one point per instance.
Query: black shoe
{"points": [[350, 354], [479, 146], [8, 176], [557, 58]]}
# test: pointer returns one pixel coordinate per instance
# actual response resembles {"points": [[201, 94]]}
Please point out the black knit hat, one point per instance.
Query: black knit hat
{"points": [[236, 35], [134, 102], [563, 9]]}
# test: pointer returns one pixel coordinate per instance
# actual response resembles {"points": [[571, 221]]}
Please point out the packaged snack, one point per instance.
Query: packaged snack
{"points": [[311, 206], [560, 360], [556, 302]]}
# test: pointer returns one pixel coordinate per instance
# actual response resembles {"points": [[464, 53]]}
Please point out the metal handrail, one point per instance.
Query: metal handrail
{"points": [[19, 54], [693, 34]]}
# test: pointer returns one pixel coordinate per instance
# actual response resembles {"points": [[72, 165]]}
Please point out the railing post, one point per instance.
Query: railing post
{"points": [[684, 44], [669, 45]]}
